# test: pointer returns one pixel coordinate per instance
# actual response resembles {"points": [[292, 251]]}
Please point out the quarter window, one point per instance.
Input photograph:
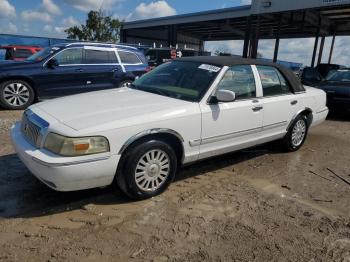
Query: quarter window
{"points": [[273, 82], [100, 57], [129, 58], [239, 79], [70, 56]]}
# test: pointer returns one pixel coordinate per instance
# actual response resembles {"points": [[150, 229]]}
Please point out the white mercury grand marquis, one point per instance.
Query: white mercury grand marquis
{"points": [[182, 111]]}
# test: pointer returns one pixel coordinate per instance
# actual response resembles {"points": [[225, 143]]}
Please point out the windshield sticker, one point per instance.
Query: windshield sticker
{"points": [[210, 68]]}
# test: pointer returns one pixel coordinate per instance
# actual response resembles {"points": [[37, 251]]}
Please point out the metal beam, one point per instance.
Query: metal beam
{"points": [[321, 50], [316, 41], [277, 43], [331, 52], [247, 37]]}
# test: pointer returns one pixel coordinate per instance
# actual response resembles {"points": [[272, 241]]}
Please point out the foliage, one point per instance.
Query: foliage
{"points": [[99, 27]]}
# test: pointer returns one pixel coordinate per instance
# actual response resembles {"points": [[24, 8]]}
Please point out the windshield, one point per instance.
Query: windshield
{"points": [[41, 55], [178, 79], [339, 76]]}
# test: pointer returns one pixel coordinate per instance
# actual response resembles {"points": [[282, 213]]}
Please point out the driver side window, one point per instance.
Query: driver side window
{"points": [[239, 79], [71, 56]]}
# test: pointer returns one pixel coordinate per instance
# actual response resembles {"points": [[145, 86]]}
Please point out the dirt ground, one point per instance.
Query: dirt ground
{"points": [[255, 205]]}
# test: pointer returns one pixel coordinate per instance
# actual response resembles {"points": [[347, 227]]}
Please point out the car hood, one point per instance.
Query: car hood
{"points": [[118, 108], [10, 64]]}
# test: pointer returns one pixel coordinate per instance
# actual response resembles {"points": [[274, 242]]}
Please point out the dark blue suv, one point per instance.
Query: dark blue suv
{"points": [[69, 69]]}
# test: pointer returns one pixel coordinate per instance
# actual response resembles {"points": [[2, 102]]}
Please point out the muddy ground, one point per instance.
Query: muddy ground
{"points": [[255, 205]]}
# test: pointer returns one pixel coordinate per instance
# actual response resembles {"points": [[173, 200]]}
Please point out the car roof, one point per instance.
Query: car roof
{"points": [[232, 60], [103, 45]]}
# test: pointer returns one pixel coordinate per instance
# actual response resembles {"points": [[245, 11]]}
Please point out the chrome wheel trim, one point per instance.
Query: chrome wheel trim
{"points": [[16, 94], [298, 133], [126, 84], [152, 170]]}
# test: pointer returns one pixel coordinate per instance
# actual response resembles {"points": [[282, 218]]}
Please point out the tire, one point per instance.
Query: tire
{"points": [[147, 169], [125, 83], [297, 133], [16, 95]]}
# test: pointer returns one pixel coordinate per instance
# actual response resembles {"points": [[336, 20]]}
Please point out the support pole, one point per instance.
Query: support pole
{"points": [[277, 43], [255, 40], [314, 52], [321, 50], [316, 41], [331, 52], [247, 37]]}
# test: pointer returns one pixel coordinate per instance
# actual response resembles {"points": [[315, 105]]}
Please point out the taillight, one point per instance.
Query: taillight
{"points": [[147, 69]]}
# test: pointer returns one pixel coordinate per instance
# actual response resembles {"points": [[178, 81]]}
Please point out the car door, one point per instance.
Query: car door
{"points": [[132, 64], [234, 125], [279, 102], [102, 67], [66, 77]]}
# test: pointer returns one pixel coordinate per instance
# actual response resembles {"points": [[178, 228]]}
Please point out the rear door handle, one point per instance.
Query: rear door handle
{"points": [[293, 103], [115, 70], [257, 108], [79, 70]]}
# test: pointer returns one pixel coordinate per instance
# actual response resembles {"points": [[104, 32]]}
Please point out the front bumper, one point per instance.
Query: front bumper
{"points": [[65, 173]]}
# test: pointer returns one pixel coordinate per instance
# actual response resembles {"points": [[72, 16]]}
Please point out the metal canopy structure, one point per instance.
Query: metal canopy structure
{"points": [[263, 19]]}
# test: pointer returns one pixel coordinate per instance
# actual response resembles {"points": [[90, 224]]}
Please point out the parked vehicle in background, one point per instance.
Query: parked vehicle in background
{"points": [[69, 69], [19, 53], [337, 87], [313, 76], [158, 56], [324, 69], [182, 111]]}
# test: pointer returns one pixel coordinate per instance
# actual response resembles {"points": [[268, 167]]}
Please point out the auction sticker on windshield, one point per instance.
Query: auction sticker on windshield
{"points": [[210, 68]]}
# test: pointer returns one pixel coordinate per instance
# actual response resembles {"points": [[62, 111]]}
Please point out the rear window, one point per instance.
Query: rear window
{"points": [[100, 57], [129, 58]]}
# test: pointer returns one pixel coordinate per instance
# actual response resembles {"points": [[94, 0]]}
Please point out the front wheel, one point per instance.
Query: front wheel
{"points": [[297, 134], [16, 95], [147, 170]]}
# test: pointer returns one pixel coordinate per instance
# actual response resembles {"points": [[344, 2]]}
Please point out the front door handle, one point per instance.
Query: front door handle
{"points": [[115, 70], [294, 102], [257, 108], [79, 70]]}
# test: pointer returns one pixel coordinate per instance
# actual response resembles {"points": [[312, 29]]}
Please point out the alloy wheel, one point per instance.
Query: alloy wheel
{"points": [[16, 94], [298, 133], [152, 170]]}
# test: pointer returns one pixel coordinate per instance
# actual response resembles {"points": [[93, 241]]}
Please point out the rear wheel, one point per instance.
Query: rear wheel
{"points": [[147, 170], [297, 134], [125, 83], [16, 94]]}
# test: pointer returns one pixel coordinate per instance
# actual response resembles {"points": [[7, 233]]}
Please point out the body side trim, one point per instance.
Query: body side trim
{"points": [[69, 163], [219, 138]]}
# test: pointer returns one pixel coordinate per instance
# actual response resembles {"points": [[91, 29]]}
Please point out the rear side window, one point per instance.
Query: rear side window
{"points": [[239, 79], [22, 53], [70, 56], [273, 82], [129, 58], [100, 57]]}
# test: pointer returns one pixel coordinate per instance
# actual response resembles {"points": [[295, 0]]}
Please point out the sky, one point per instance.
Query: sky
{"points": [[49, 18]]}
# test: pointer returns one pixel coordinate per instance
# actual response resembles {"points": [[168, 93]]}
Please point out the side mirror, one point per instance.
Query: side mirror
{"points": [[52, 63], [225, 96]]}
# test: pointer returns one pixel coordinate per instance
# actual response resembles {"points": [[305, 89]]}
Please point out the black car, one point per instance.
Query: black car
{"points": [[68, 69], [337, 87], [313, 76]]}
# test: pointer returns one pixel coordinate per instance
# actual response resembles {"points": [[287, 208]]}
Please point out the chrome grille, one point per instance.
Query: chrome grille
{"points": [[31, 131]]}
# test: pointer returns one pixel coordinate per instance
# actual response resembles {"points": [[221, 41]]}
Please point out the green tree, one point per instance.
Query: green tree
{"points": [[98, 27]]}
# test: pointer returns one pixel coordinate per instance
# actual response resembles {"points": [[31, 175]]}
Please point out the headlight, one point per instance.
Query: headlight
{"points": [[77, 146]]}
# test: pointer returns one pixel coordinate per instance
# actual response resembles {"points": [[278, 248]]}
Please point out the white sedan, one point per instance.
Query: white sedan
{"points": [[181, 112]]}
